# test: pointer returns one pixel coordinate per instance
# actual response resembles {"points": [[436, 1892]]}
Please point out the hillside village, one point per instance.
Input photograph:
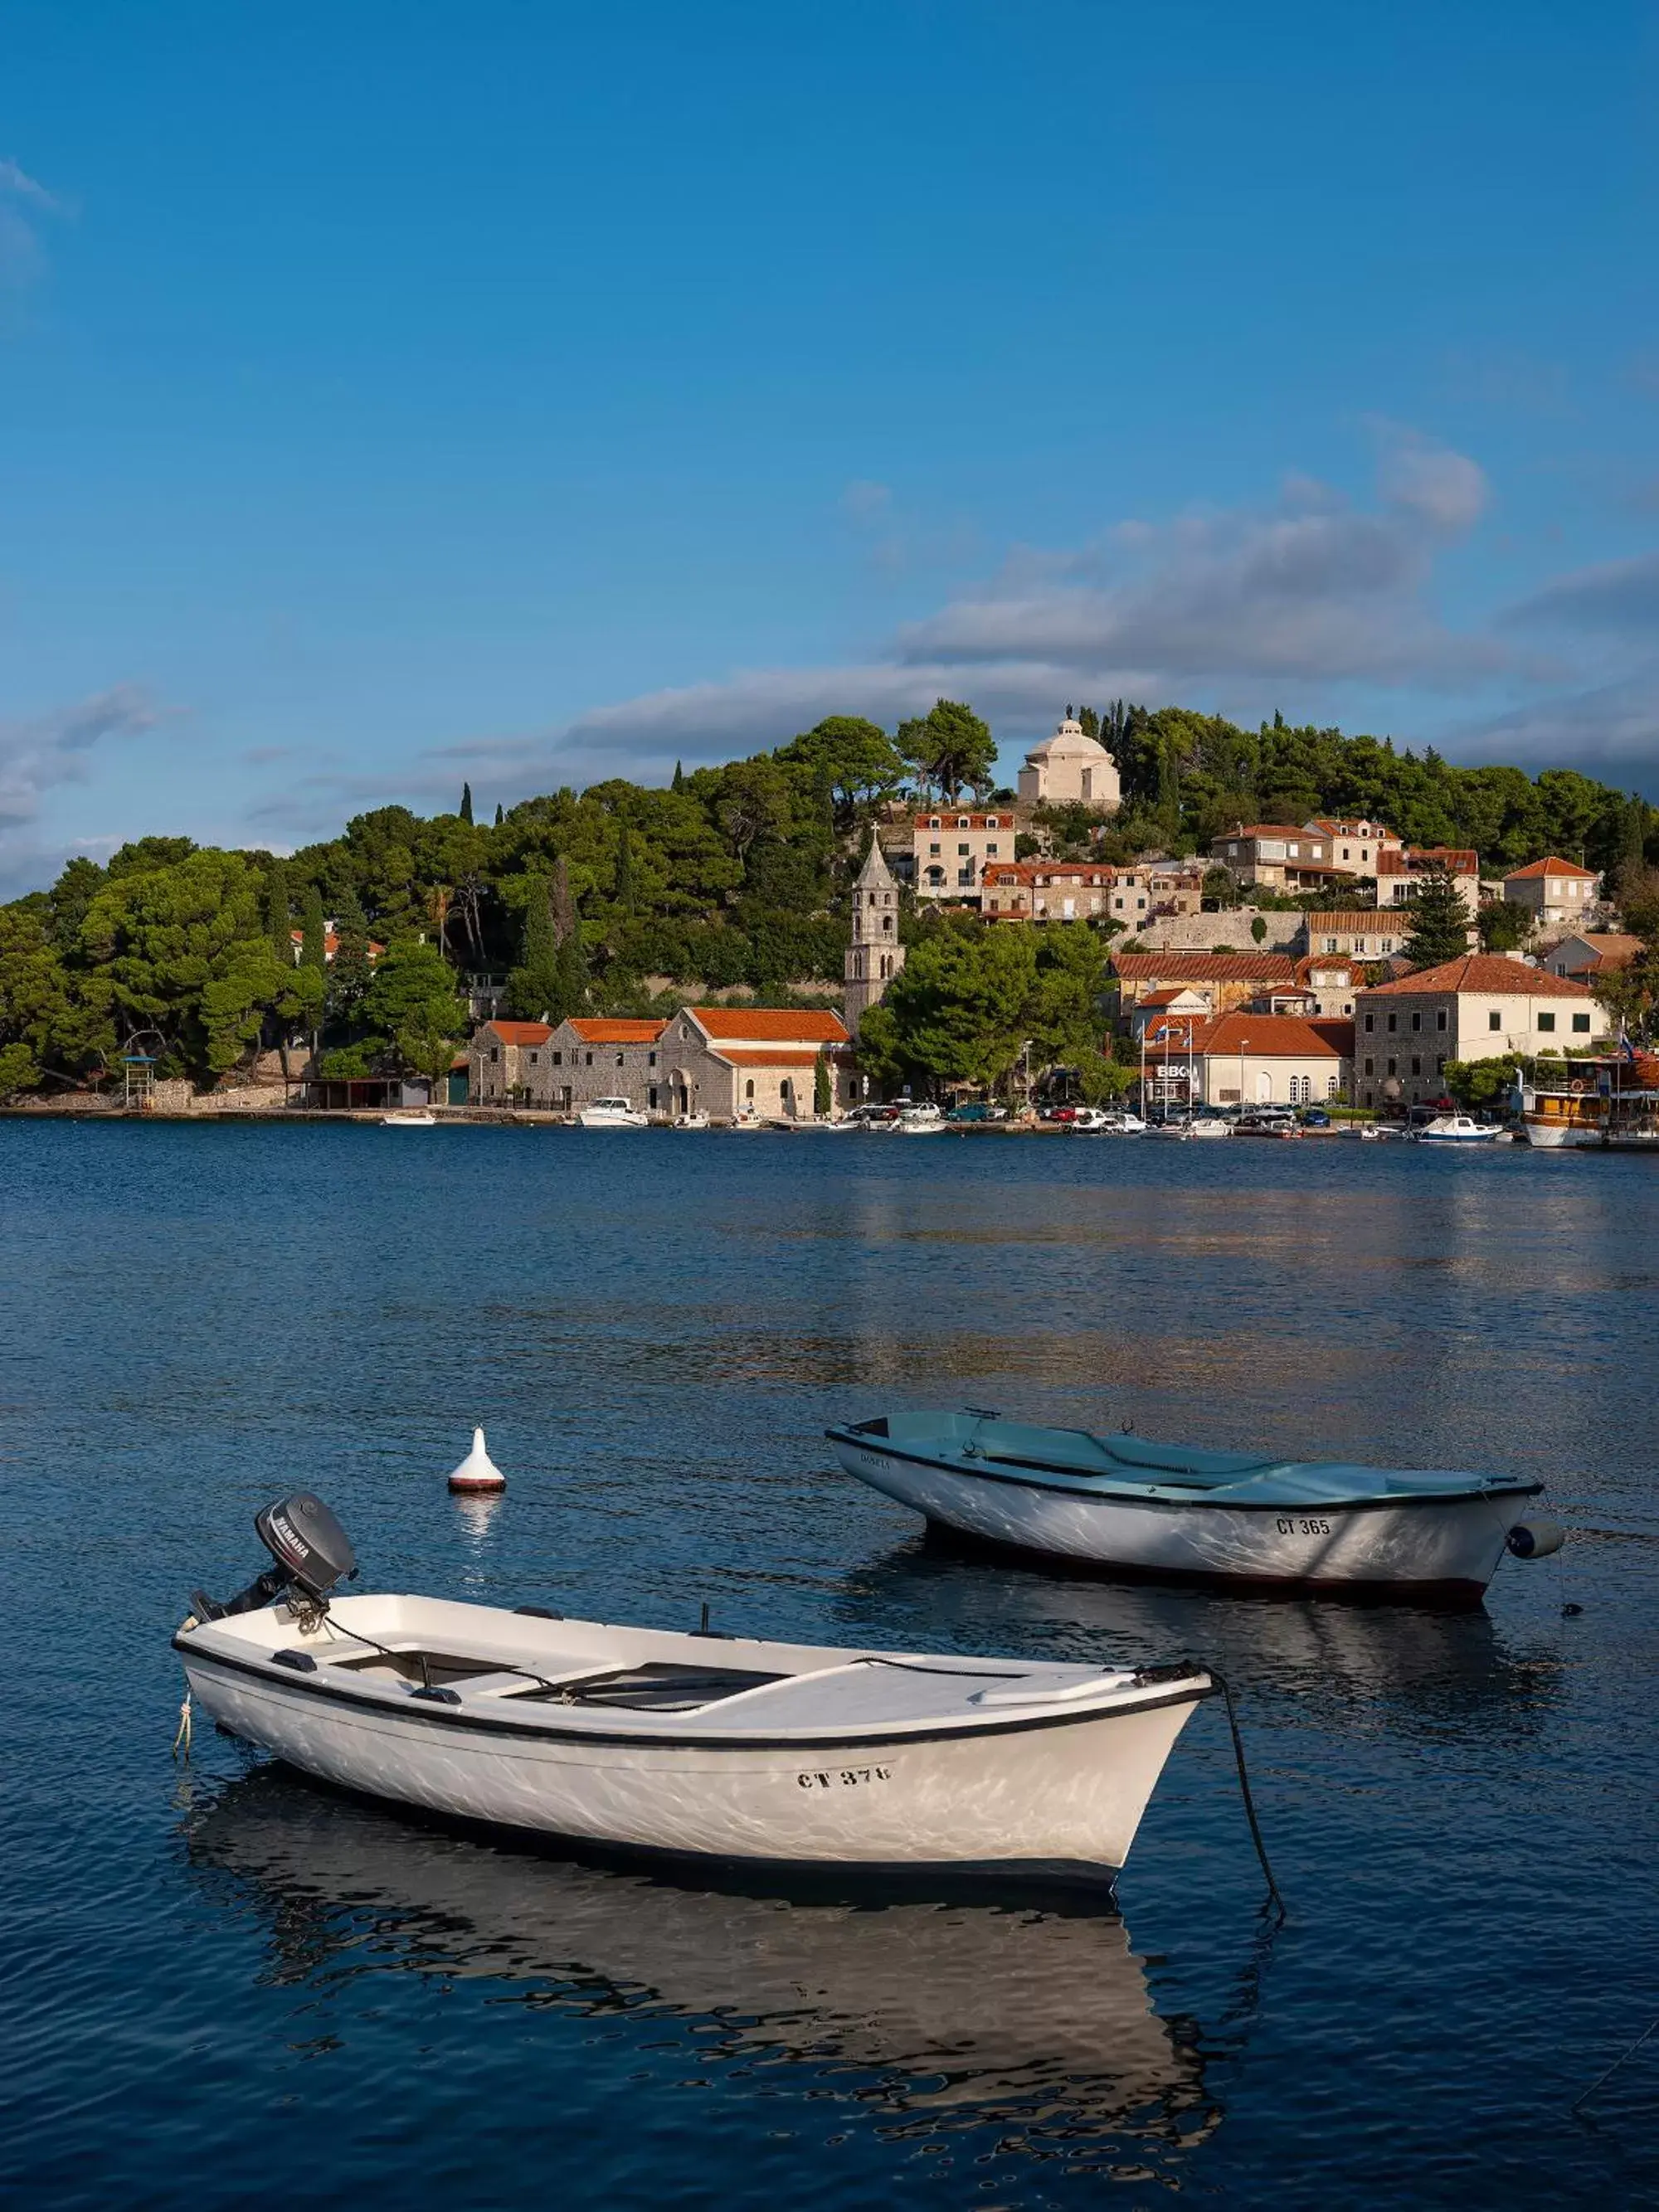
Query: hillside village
{"points": [[1162, 904]]}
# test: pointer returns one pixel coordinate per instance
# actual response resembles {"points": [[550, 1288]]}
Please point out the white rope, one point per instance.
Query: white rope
{"points": [[182, 1739]]}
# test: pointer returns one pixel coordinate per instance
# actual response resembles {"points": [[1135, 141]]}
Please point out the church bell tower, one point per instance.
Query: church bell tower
{"points": [[875, 955]]}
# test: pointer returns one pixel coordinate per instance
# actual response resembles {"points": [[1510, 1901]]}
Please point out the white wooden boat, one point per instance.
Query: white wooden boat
{"points": [[715, 1747], [613, 1114], [691, 1121], [1127, 1503], [1457, 1129], [408, 1117]]}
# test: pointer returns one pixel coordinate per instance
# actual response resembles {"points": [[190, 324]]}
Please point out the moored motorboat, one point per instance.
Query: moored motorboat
{"points": [[613, 1114], [408, 1117], [1130, 1505], [726, 1748], [1457, 1129], [691, 1121]]}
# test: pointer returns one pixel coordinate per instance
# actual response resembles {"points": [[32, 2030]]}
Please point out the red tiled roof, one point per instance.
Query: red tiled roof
{"points": [[1261, 829], [1457, 860], [1264, 1037], [1166, 997], [1177, 967], [769, 1056], [951, 817], [1356, 921], [1055, 872], [1549, 867], [521, 1032], [1344, 960], [1490, 973], [603, 1030], [764, 1026]]}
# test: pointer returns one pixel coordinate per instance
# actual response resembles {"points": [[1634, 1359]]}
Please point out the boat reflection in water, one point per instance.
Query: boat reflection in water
{"points": [[1037, 2013]]}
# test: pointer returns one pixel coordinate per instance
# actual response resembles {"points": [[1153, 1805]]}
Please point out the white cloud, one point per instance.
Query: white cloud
{"points": [[50, 749], [23, 202]]}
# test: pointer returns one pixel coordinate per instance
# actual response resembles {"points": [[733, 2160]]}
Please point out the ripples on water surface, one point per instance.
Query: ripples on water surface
{"points": [[224, 1987]]}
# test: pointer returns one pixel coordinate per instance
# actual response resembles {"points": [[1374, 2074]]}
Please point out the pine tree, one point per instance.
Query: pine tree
{"points": [[466, 802], [1169, 785], [1440, 923], [624, 884], [313, 932]]}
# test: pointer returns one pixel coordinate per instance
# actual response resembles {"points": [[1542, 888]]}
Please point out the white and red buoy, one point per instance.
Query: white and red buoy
{"points": [[478, 1475]]}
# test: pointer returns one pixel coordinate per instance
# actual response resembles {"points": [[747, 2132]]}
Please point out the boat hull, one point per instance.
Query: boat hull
{"points": [[1059, 1792], [1450, 1548]]}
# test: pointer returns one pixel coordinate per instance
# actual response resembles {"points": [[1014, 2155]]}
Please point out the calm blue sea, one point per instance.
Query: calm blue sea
{"points": [[219, 1986]]}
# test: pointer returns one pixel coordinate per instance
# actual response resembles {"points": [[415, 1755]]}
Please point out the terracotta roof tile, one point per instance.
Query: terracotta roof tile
{"points": [[1552, 866], [521, 1032], [602, 1029], [766, 1026], [1490, 973], [1176, 967], [1264, 1037], [767, 1055]]}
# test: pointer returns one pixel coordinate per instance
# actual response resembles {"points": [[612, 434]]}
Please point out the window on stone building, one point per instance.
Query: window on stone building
{"points": [[1547, 1023], [1581, 1025], [933, 852], [1394, 1022], [1440, 1019], [558, 1060], [1417, 1064], [1394, 1068], [1494, 1019], [1370, 1067], [588, 1059]]}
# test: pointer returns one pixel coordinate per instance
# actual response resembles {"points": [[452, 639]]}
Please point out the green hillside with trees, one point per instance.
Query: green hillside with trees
{"points": [[619, 898]]}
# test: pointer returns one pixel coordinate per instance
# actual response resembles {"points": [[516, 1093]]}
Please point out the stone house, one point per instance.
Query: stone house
{"points": [[1332, 981], [592, 1056], [1230, 978], [1366, 932], [506, 1063], [1278, 855], [1478, 1007], [1047, 890], [1400, 876], [1356, 848], [951, 847], [749, 1062], [1590, 953], [1557, 894]]}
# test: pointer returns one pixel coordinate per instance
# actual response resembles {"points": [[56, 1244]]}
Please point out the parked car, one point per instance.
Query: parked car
{"points": [[1315, 1117], [976, 1112], [1065, 1114]]}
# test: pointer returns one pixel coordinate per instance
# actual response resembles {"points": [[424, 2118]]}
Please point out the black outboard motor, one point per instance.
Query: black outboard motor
{"points": [[312, 1552]]}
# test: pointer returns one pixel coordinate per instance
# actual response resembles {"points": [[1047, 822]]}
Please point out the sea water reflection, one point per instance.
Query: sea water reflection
{"points": [[1031, 2019]]}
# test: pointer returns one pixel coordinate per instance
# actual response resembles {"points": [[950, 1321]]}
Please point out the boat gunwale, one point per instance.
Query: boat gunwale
{"points": [[1125, 1492], [1199, 1686]]}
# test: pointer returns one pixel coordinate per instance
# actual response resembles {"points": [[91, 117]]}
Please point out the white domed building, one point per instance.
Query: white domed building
{"points": [[1070, 769]]}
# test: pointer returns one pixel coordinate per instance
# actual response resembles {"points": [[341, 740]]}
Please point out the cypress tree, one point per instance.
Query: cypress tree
{"points": [[279, 920], [824, 1097], [533, 986], [1440, 923], [349, 977], [466, 802], [498, 813], [313, 932], [679, 784]]}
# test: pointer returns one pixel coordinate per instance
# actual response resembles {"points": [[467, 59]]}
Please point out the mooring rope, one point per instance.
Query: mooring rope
{"points": [[1274, 1891]]}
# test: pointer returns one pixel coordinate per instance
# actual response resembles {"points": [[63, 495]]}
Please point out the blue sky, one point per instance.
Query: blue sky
{"points": [[393, 394]]}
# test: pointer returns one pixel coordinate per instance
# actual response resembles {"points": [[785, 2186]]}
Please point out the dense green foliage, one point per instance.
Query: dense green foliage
{"points": [[734, 876], [970, 1000]]}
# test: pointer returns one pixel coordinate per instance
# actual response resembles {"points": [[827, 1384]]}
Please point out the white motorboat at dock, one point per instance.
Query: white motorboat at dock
{"points": [[727, 1747], [1128, 1505], [613, 1114]]}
